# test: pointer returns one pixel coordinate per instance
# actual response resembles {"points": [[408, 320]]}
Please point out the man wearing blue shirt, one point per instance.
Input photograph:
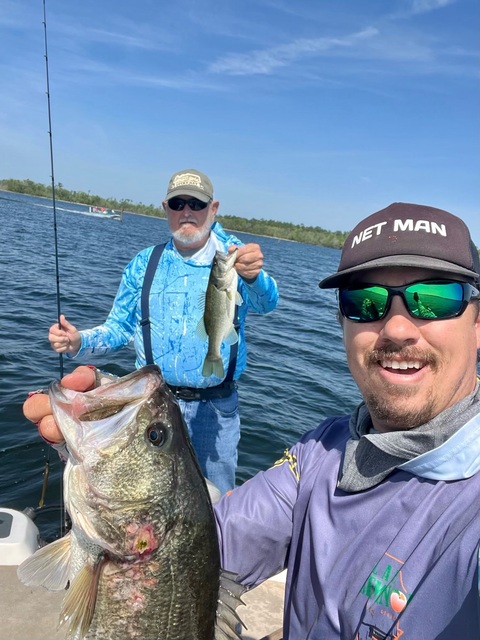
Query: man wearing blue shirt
{"points": [[209, 404]]}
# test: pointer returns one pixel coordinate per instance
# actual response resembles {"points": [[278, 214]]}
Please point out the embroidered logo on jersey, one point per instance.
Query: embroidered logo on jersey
{"points": [[291, 460], [387, 598]]}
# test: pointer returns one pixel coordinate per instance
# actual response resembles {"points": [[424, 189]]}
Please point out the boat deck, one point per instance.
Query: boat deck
{"points": [[32, 614]]}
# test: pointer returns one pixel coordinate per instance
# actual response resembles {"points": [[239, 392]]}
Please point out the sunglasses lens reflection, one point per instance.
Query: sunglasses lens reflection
{"points": [[424, 300]]}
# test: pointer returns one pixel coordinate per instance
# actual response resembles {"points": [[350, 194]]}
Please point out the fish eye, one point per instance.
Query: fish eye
{"points": [[156, 434]]}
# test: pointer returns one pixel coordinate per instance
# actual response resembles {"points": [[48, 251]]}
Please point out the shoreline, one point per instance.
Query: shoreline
{"points": [[146, 215]]}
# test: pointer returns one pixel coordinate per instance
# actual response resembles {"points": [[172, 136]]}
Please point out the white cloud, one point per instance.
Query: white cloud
{"points": [[424, 6], [264, 62]]}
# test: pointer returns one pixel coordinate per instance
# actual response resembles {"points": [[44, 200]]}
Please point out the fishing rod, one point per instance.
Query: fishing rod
{"points": [[57, 269], [55, 233]]}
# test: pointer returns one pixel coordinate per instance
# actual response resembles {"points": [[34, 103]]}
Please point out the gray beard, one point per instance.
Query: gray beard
{"points": [[188, 239]]}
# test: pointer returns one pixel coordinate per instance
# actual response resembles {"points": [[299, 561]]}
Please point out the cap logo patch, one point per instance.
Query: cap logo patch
{"points": [[401, 225], [187, 180]]}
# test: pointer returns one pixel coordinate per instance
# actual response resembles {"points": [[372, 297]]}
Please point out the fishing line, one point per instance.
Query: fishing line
{"points": [[46, 474], [57, 269]]}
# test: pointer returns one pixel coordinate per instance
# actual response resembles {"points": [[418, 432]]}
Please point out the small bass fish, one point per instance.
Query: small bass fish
{"points": [[216, 324], [142, 556]]}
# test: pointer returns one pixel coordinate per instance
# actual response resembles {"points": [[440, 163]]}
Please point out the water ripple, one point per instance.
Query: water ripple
{"points": [[297, 373]]}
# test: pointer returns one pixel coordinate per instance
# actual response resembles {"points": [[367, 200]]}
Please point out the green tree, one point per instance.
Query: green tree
{"points": [[271, 228]]}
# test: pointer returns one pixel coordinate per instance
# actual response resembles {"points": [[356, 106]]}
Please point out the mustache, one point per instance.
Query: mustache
{"points": [[401, 353]]}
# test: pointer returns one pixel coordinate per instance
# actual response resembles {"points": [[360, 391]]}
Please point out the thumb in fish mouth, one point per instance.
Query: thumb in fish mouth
{"points": [[82, 379], [37, 405]]}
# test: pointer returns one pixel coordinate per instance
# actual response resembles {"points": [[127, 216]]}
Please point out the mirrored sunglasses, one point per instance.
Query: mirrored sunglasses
{"points": [[178, 204], [432, 300]]}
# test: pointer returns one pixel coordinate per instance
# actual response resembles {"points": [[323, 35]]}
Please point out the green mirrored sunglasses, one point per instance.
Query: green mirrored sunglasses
{"points": [[431, 300]]}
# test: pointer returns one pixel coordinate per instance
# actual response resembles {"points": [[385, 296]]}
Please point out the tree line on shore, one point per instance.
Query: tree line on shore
{"points": [[271, 228]]}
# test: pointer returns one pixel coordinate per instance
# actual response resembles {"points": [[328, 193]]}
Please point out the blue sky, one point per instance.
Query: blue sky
{"points": [[309, 111]]}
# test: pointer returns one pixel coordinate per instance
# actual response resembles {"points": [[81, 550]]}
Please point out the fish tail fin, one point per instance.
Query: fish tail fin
{"points": [[213, 366], [48, 567], [229, 597], [78, 605]]}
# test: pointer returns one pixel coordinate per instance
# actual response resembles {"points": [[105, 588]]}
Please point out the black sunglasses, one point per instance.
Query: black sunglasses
{"points": [[178, 204], [431, 300]]}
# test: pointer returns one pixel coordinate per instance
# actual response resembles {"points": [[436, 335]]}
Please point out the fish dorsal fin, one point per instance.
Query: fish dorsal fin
{"points": [[78, 605], [48, 567], [229, 597]]}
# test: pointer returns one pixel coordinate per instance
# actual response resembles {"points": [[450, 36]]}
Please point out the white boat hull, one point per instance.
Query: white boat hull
{"points": [[19, 537]]}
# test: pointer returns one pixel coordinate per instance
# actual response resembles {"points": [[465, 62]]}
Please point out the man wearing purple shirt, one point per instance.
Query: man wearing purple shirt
{"points": [[376, 516]]}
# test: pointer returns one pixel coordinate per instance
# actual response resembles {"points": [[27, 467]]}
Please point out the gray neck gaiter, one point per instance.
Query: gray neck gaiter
{"points": [[371, 456]]}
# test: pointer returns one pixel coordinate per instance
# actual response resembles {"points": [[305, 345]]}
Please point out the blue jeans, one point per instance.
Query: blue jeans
{"points": [[214, 429]]}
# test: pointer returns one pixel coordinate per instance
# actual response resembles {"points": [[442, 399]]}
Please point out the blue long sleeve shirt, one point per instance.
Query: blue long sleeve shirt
{"points": [[176, 307]]}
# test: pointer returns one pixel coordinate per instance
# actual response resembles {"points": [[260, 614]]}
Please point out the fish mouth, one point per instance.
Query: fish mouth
{"points": [[224, 261], [108, 399], [95, 418]]}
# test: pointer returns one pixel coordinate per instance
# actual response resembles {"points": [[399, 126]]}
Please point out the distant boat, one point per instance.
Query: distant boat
{"points": [[103, 212]]}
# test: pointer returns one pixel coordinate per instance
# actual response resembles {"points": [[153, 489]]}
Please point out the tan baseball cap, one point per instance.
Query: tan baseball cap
{"points": [[190, 182]]}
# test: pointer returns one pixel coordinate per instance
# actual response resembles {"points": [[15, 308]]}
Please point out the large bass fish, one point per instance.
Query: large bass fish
{"points": [[142, 557]]}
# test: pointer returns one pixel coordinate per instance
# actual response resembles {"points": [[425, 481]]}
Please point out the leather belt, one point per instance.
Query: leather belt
{"points": [[190, 393]]}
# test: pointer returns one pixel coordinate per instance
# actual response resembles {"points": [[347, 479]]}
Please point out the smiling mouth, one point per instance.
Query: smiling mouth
{"points": [[406, 361], [402, 365]]}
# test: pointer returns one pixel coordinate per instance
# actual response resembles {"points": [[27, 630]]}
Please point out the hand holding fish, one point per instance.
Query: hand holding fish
{"points": [[249, 260], [37, 408], [66, 338]]}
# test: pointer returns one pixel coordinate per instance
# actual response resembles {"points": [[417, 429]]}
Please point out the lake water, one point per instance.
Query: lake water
{"points": [[296, 376]]}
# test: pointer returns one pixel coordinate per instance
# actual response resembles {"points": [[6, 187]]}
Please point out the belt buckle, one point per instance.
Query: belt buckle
{"points": [[188, 394]]}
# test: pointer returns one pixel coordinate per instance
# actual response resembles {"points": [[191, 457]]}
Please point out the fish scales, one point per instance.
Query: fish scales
{"points": [[218, 320], [175, 591], [142, 555]]}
